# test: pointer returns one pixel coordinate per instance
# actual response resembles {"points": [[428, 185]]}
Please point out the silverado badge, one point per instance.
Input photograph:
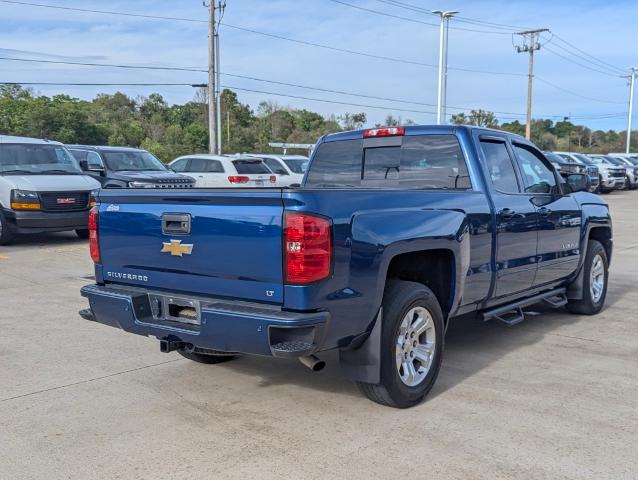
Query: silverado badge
{"points": [[176, 249]]}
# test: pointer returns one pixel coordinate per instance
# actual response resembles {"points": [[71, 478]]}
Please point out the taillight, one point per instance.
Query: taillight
{"points": [[94, 244], [238, 179], [308, 248], [273, 179], [384, 132]]}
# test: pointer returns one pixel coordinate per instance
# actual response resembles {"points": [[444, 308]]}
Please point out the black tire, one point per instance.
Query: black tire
{"points": [[206, 358], [6, 234], [398, 299], [588, 305], [82, 233]]}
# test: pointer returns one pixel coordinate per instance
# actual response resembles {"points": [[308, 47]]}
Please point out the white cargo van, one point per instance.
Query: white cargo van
{"points": [[42, 189]]}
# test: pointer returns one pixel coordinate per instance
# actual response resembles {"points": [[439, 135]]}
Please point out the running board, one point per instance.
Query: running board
{"points": [[512, 313]]}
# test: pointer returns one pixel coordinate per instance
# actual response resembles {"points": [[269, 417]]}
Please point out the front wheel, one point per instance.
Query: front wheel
{"points": [[595, 279], [6, 234], [411, 345]]}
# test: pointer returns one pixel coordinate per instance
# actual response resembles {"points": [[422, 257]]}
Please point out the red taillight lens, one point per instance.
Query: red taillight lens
{"points": [[384, 132], [307, 247], [238, 179], [94, 244]]}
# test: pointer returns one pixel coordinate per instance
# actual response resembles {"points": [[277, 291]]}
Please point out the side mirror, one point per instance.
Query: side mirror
{"points": [[84, 165], [578, 182]]}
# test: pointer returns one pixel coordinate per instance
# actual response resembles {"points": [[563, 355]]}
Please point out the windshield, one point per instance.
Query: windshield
{"points": [[36, 159], [615, 161], [584, 159], [133, 161], [297, 165], [554, 157]]}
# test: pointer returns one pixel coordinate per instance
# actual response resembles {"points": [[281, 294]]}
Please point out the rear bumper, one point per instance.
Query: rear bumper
{"points": [[227, 326], [37, 222]]}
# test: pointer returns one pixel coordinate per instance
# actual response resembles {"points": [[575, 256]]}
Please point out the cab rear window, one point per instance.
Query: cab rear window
{"points": [[422, 161]]}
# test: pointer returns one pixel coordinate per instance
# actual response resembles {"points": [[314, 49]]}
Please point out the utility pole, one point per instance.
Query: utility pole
{"points": [[218, 95], [530, 47], [443, 41], [212, 79], [632, 80]]}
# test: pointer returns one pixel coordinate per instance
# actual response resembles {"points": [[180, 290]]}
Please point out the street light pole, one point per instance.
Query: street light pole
{"points": [[443, 42], [632, 80]]}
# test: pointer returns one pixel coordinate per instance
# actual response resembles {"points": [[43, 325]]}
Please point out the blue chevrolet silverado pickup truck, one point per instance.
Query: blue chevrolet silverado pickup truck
{"points": [[394, 232]]}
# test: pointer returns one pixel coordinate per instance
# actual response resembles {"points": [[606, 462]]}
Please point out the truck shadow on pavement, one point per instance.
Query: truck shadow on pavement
{"points": [[471, 346], [45, 240]]}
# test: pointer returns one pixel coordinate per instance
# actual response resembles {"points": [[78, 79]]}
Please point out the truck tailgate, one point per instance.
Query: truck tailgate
{"points": [[231, 248]]}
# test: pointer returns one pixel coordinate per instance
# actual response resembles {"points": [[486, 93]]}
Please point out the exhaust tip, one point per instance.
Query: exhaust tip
{"points": [[313, 363]]}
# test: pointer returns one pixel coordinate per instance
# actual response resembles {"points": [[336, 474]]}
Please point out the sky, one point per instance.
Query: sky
{"points": [[568, 81]]}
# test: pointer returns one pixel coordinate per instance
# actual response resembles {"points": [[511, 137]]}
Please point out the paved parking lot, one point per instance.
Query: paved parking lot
{"points": [[554, 397]]}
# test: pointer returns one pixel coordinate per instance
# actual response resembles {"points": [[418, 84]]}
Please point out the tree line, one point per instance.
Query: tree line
{"points": [[173, 130]]}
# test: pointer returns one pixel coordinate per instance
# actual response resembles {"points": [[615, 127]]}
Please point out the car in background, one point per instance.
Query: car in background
{"points": [[566, 166], [127, 167], [291, 167], [226, 171], [42, 189], [630, 162], [611, 176], [622, 173]]}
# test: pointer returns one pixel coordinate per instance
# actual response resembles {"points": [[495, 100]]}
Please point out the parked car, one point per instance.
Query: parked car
{"points": [[611, 177], [395, 232], [42, 189], [290, 167], [630, 162], [567, 164], [616, 169], [125, 167], [223, 171]]}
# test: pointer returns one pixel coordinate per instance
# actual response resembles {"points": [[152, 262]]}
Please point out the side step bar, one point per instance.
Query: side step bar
{"points": [[512, 313]]}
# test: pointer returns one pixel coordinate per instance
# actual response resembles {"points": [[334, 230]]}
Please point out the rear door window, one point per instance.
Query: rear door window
{"points": [[419, 161], [500, 166]]}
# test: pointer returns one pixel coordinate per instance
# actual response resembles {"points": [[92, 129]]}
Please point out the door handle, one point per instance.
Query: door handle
{"points": [[544, 212], [507, 213]]}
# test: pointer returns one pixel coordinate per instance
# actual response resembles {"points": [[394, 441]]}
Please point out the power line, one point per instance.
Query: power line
{"points": [[591, 99], [586, 54], [588, 67], [458, 18], [300, 97], [412, 20], [276, 36], [246, 77], [288, 84], [104, 12]]}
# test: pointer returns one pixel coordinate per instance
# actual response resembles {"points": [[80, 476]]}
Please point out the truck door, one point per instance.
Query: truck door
{"points": [[559, 216], [516, 220]]}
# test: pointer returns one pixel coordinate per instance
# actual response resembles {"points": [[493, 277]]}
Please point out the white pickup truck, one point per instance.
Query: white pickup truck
{"points": [[42, 189]]}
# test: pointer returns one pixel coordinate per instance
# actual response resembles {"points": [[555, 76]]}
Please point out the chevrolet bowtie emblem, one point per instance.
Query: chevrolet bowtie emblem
{"points": [[176, 249]]}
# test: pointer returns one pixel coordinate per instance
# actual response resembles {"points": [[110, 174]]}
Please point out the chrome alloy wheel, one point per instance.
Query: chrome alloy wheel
{"points": [[597, 279], [415, 346]]}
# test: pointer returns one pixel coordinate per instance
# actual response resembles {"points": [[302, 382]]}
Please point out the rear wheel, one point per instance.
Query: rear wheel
{"points": [[82, 233], [595, 280], [411, 345], [209, 358], [6, 234]]}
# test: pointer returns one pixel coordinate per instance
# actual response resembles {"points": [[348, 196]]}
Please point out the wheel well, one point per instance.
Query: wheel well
{"points": [[432, 268], [603, 235]]}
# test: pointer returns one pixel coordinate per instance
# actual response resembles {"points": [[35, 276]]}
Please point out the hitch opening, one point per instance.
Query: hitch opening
{"points": [[168, 345]]}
